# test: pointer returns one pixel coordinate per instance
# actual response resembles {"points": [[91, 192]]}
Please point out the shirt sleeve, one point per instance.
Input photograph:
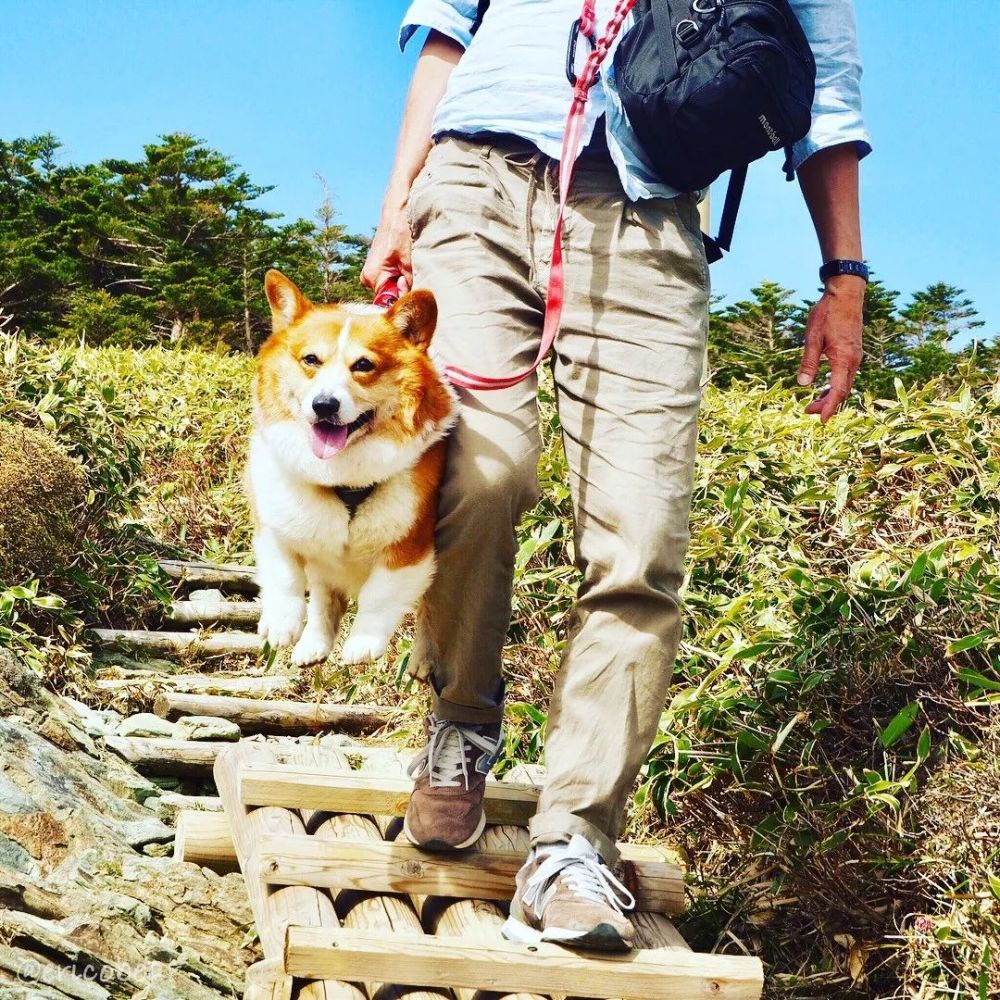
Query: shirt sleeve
{"points": [[453, 18], [831, 29]]}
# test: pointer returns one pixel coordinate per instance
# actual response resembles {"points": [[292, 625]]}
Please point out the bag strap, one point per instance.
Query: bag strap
{"points": [[727, 223], [480, 14], [572, 138]]}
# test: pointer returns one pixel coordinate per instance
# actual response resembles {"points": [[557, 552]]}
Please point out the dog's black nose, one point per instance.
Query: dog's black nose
{"points": [[326, 407]]}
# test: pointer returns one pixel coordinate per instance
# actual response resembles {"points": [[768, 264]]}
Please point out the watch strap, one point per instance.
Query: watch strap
{"points": [[832, 268]]}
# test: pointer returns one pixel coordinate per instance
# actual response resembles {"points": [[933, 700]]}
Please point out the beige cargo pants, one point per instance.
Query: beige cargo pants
{"points": [[627, 366]]}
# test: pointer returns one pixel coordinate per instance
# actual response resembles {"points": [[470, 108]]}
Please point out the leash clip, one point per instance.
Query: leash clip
{"points": [[574, 36]]}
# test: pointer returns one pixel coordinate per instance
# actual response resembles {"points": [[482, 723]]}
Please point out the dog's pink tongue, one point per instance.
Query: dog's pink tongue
{"points": [[328, 439]]}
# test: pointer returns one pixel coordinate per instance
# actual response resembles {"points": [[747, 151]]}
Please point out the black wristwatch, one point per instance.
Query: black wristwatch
{"points": [[834, 267]]}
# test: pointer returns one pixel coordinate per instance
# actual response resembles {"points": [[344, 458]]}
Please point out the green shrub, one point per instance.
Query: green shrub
{"points": [[42, 493], [844, 606]]}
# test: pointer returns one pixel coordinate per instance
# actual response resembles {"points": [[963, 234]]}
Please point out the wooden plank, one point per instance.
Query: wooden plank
{"points": [[668, 974], [400, 867], [226, 576], [223, 644], [314, 788], [207, 841], [277, 717], [241, 613]]}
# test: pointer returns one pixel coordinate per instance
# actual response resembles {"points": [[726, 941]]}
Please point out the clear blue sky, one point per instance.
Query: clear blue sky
{"points": [[290, 88]]}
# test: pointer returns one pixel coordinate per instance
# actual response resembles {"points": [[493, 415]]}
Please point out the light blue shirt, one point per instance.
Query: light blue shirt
{"points": [[512, 79]]}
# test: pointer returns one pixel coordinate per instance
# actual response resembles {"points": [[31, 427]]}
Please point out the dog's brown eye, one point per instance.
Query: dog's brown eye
{"points": [[363, 365], [311, 360]]}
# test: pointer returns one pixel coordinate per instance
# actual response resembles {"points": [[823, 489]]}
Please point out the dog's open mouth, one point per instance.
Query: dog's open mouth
{"points": [[329, 438]]}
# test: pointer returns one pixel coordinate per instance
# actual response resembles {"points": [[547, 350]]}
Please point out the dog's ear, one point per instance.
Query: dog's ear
{"points": [[415, 316], [287, 303]]}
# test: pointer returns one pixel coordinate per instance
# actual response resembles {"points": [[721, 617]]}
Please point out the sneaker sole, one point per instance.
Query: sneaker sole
{"points": [[441, 845], [603, 937]]}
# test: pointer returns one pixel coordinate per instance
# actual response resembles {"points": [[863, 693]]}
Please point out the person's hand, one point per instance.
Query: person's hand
{"points": [[389, 255], [834, 331]]}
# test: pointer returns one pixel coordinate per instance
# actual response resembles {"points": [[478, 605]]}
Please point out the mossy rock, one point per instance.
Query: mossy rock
{"points": [[42, 493]]}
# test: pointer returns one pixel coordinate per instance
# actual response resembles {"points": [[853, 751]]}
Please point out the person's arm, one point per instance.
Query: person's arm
{"points": [[389, 254], [829, 182], [826, 160]]}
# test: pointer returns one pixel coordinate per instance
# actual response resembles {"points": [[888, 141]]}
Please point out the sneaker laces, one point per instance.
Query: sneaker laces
{"points": [[582, 872], [446, 754]]}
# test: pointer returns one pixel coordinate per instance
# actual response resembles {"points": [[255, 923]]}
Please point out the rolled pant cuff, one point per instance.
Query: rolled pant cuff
{"points": [[462, 713], [557, 826]]}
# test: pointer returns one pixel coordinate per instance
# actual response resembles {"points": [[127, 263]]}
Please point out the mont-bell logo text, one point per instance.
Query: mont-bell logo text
{"points": [[770, 130]]}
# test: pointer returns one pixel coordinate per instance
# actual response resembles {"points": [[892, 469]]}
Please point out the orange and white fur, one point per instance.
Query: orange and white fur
{"points": [[345, 396]]}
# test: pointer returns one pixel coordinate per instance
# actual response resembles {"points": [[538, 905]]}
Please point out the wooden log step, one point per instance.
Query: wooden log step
{"points": [[203, 838], [164, 757], [316, 789], [506, 967], [277, 717], [200, 683], [476, 874], [223, 644], [240, 613], [225, 576]]}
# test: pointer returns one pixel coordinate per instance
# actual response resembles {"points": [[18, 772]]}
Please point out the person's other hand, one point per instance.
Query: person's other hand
{"points": [[389, 255], [834, 331]]}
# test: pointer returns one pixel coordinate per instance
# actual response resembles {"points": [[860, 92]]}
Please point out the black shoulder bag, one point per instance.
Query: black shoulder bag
{"points": [[712, 85]]}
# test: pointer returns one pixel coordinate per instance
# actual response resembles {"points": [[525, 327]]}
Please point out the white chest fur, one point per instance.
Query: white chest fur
{"points": [[313, 523]]}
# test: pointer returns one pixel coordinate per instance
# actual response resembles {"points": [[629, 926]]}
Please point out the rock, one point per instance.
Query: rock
{"points": [[207, 727], [18, 676], [12, 799], [83, 915], [15, 857], [146, 724], [138, 833], [210, 595], [96, 722]]}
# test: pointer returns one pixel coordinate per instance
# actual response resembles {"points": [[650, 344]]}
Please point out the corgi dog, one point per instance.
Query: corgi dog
{"points": [[346, 458]]}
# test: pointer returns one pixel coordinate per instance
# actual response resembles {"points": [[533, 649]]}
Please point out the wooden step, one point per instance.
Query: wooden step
{"points": [[315, 788], [506, 967], [275, 718], [225, 576], [475, 874], [223, 644], [240, 613], [203, 838]]}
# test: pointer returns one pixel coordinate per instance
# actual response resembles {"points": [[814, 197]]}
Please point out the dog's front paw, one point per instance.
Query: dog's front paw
{"points": [[311, 649], [364, 647], [281, 624]]}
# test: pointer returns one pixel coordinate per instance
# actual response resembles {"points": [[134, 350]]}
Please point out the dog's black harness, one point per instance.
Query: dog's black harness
{"points": [[352, 497]]}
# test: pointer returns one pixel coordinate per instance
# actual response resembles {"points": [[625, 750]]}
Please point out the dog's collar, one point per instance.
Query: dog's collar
{"points": [[352, 497]]}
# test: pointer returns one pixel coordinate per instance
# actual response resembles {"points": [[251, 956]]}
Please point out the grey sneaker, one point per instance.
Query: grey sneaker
{"points": [[445, 812], [567, 895]]}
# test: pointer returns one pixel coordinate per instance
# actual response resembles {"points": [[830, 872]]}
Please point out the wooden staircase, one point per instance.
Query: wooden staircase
{"points": [[345, 909]]}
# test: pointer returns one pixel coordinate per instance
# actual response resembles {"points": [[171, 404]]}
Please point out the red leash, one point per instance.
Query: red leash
{"points": [[572, 137]]}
